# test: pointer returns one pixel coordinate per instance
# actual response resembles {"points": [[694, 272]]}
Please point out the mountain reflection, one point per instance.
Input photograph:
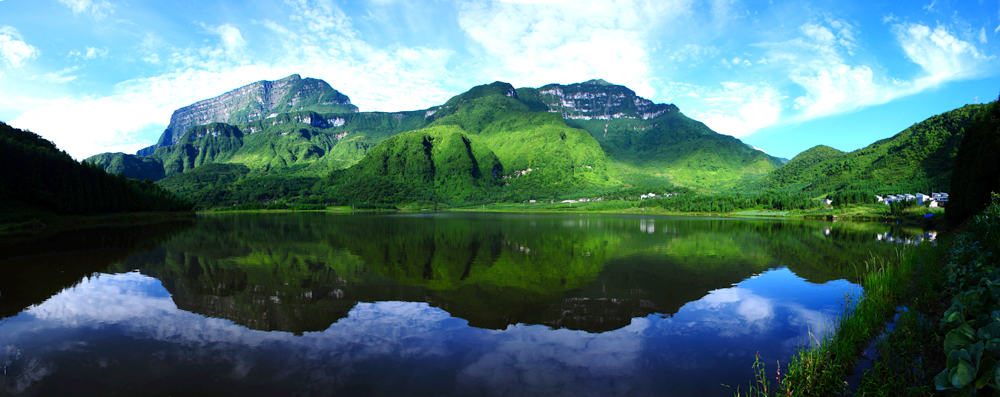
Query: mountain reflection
{"points": [[439, 304], [302, 272]]}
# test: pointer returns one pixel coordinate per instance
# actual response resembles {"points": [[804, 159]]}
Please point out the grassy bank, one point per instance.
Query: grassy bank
{"points": [[929, 318]]}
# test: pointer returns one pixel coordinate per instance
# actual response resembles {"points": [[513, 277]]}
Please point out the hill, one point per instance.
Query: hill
{"points": [[434, 164], [920, 158], [50, 181]]}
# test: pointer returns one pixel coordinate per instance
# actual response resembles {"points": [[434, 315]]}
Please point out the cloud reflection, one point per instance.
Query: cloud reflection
{"points": [[409, 345]]}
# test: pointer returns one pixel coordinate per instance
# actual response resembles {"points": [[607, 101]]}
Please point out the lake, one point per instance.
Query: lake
{"points": [[424, 304]]}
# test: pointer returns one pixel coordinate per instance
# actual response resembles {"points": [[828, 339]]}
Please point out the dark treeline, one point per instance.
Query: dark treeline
{"points": [[39, 176], [977, 166], [770, 200]]}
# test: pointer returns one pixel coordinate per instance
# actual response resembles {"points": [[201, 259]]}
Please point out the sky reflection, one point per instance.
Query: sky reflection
{"points": [[125, 326]]}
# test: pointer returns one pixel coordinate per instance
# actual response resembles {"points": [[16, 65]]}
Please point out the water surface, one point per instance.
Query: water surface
{"points": [[423, 304]]}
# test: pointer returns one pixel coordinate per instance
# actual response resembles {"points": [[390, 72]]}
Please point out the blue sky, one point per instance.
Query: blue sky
{"points": [[104, 75]]}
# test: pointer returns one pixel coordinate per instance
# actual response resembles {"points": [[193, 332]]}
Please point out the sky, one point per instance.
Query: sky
{"points": [[98, 76]]}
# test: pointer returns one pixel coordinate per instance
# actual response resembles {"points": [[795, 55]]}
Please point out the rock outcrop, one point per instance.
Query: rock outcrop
{"points": [[253, 102], [598, 99]]}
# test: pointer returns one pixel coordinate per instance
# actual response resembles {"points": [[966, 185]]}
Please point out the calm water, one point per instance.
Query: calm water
{"points": [[425, 304]]}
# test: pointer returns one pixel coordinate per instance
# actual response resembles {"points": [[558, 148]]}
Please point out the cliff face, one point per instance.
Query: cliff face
{"points": [[253, 102], [598, 99]]}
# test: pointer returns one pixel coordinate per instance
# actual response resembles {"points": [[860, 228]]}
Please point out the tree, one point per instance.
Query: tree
{"points": [[977, 165]]}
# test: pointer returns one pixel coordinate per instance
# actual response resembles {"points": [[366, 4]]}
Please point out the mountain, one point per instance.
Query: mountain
{"points": [[581, 139], [647, 138], [920, 158], [253, 102]]}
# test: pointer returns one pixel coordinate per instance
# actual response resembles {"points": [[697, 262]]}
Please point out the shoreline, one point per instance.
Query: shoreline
{"points": [[40, 227], [824, 215]]}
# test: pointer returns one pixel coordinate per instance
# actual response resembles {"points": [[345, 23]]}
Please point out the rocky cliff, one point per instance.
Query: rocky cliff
{"points": [[598, 99], [253, 102]]}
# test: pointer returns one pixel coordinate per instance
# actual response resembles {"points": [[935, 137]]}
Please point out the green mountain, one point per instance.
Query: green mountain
{"points": [[582, 139], [920, 158], [649, 139], [48, 180]]}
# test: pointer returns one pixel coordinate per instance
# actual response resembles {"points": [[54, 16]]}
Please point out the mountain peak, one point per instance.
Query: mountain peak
{"points": [[599, 99], [253, 102], [479, 91]]}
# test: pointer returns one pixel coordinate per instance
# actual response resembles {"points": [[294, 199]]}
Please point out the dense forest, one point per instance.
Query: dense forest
{"points": [[977, 168], [41, 178]]}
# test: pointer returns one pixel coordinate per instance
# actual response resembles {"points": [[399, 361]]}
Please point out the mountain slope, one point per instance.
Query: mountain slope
{"points": [[561, 159], [920, 158], [430, 164], [642, 137], [805, 167]]}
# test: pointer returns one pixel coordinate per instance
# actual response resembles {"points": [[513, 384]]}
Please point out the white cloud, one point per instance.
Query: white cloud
{"points": [[89, 53], [317, 42], [13, 50], [99, 9], [693, 53], [232, 40], [820, 63], [535, 43], [733, 108], [982, 35], [62, 76], [942, 56]]}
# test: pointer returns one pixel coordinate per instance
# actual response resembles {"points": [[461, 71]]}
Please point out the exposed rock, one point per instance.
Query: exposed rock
{"points": [[254, 102], [598, 99]]}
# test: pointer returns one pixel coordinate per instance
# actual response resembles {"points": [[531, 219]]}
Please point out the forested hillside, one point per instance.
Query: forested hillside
{"points": [[433, 165], [38, 177], [919, 158]]}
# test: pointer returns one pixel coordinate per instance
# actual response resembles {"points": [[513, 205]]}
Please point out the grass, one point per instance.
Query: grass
{"points": [[909, 354], [822, 369], [896, 316]]}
